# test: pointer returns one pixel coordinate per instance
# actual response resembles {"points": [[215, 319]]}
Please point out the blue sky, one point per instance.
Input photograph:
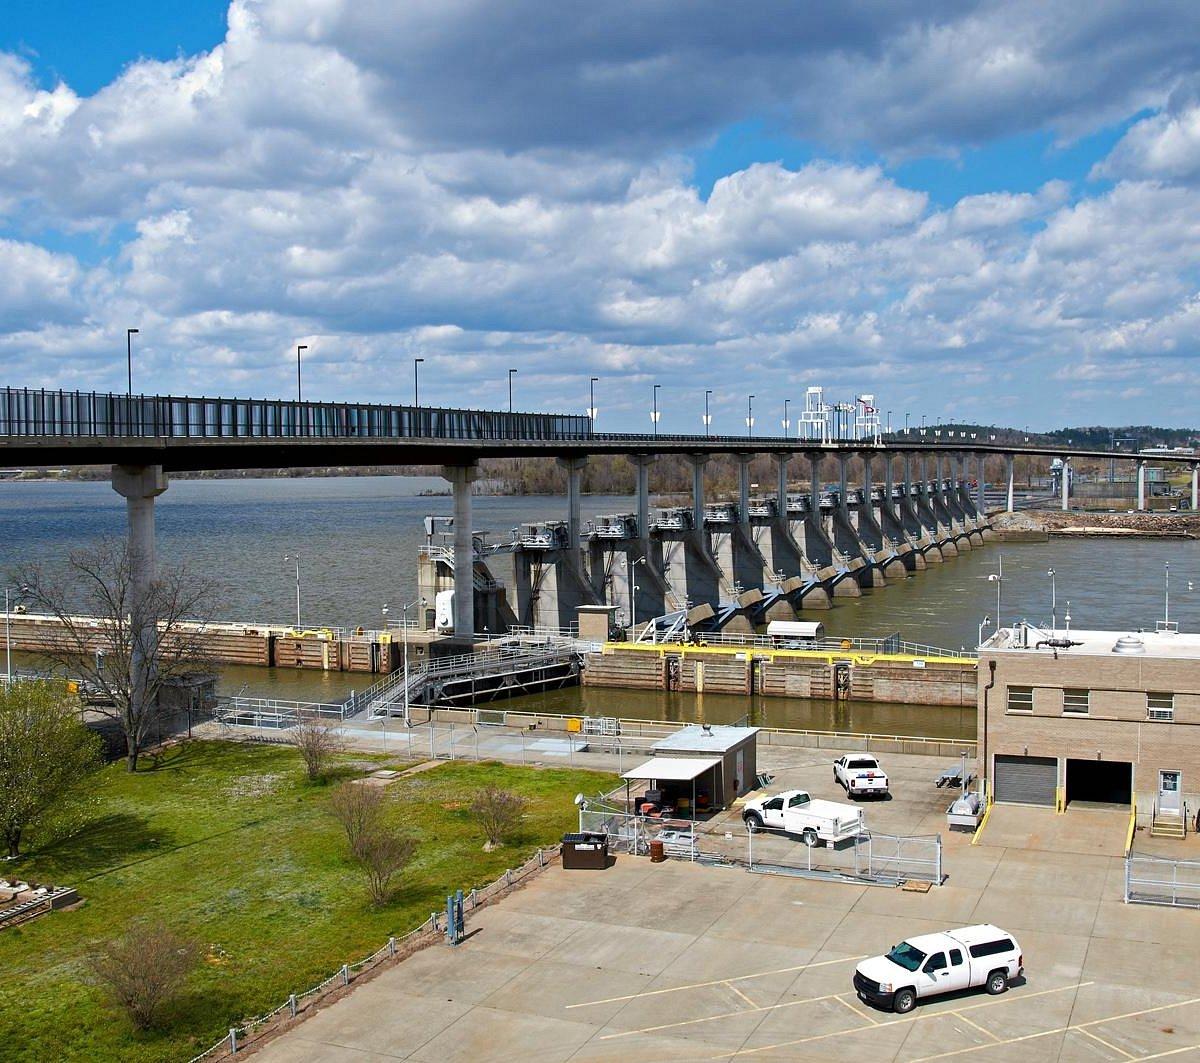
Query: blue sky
{"points": [[915, 201]]}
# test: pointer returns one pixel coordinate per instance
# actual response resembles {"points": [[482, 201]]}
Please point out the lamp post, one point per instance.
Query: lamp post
{"points": [[299, 347], [982, 624], [296, 559], [1053, 602], [129, 334], [8, 672], [906, 422], [889, 422], [998, 579], [404, 635], [511, 374], [787, 424], [634, 588], [592, 398], [416, 382], [750, 415], [707, 415], [654, 407]]}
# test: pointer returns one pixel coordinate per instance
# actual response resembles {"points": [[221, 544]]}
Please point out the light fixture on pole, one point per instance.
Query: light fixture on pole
{"points": [[787, 424], [634, 588], [8, 607], [750, 415], [654, 407], [416, 382], [998, 579], [906, 422], [511, 374], [707, 415], [296, 559], [299, 347], [592, 411], [129, 334], [982, 624]]}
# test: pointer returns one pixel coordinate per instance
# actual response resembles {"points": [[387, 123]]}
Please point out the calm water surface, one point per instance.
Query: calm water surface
{"points": [[358, 537]]}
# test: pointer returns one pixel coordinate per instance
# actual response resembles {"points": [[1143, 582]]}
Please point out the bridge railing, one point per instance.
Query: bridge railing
{"points": [[26, 412]]}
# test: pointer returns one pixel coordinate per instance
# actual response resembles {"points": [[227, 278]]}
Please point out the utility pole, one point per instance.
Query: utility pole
{"points": [[129, 334], [416, 382], [299, 347]]}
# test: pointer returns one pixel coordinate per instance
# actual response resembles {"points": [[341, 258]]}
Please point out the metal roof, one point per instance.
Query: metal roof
{"points": [[672, 769], [713, 738]]}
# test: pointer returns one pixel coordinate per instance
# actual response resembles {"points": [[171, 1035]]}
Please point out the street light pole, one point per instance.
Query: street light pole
{"points": [[296, 558], [787, 424], [511, 374], [7, 639], [707, 415], [654, 407], [416, 382], [750, 415], [1053, 603], [299, 393], [592, 399], [129, 334], [404, 635]]}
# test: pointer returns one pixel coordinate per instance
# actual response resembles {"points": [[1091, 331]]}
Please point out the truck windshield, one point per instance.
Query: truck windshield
{"points": [[904, 955]]}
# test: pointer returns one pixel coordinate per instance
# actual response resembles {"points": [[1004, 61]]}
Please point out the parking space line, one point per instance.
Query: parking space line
{"points": [[715, 981], [859, 1012], [1100, 1040], [1169, 1052], [713, 1018], [741, 994], [1080, 1026], [981, 1029], [918, 1018]]}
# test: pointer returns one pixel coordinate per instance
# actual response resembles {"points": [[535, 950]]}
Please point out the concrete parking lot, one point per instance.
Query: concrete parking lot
{"points": [[679, 961]]}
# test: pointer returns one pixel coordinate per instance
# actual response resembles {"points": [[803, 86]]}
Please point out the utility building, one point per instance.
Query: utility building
{"points": [[1093, 716]]}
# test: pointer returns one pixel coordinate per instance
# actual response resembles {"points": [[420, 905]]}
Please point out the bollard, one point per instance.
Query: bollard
{"points": [[345, 974], [292, 1004], [392, 947], [232, 1041]]}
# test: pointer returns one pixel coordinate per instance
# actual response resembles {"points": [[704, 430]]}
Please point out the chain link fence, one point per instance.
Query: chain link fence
{"points": [[251, 1031]]}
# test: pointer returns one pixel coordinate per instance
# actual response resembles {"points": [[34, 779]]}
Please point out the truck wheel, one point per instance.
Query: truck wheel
{"points": [[904, 1001], [754, 821], [809, 837], [997, 983]]}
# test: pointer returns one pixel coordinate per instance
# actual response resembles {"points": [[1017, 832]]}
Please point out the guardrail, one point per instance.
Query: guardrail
{"points": [[890, 644]]}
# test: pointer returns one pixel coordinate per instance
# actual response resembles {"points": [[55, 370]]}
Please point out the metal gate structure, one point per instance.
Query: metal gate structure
{"points": [[869, 857], [1157, 880], [1026, 780]]}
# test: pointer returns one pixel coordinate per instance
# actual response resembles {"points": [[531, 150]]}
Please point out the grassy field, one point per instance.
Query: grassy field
{"points": [[229, 843]]}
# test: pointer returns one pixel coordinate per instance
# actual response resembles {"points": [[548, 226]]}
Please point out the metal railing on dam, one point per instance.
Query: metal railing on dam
{"points": [[26, 412]]}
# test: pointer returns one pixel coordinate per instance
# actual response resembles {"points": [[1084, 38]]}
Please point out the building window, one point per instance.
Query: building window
{"points": [[1160, 707], [1020, 699], [1075, 702]]}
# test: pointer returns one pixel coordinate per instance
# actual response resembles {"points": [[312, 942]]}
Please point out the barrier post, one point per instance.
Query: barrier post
{"points": [[292, 1004], [345, 974], [233, 1045]]}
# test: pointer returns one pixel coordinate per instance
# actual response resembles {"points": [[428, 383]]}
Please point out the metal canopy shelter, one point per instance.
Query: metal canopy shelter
{"points": [[672, 769]]}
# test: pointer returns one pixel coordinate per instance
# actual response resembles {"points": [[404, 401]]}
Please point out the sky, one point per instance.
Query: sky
{"points": [[975, 212]]}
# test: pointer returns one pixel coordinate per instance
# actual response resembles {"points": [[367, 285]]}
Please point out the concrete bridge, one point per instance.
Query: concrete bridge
{"points": [[725, 564]]}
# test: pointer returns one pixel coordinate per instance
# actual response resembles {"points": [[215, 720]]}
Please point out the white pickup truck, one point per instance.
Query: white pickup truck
{"points": [[933, 964], [795, 812], [860, 774]]}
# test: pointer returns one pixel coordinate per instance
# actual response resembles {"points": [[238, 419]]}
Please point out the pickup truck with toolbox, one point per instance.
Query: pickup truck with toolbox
{"points": [[860, 774], [795, 812], [932, 964]]}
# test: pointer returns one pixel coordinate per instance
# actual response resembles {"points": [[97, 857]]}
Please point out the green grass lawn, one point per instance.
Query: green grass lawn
{"points": [[230, 844]]}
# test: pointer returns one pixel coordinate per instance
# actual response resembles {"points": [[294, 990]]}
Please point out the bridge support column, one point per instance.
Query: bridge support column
{"points": [[980, 487], [1195, 488], [461, 478], [574, 467], [140, 485], [641, 467], [698, 462], [1141, 484], [1008, 470], [1066, 483]]}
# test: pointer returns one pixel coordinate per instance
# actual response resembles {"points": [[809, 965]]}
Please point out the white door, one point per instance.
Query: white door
{"points": [[934, 977], [1169, 786], [960, 971], [773, 812]]}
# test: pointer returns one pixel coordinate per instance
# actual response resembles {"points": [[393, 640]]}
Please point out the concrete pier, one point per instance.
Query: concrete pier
{"points": [[1009, 462], [461, 478]]}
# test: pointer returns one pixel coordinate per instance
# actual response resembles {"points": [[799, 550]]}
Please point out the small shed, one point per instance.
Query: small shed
{"points": [[680, 782], [735, 746]]}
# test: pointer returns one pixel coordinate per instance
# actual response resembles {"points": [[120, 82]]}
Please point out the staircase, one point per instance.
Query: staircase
{"points": [[1168, 825]]}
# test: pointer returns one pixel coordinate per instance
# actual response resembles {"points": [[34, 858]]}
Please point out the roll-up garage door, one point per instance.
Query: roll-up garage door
{"points": [[1026, 780]]}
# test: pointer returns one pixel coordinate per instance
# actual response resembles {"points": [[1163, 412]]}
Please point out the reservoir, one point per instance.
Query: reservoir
{"points": [[357, 540]]}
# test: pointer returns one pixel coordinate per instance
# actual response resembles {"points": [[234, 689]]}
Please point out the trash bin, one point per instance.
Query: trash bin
{"points": [[658, 852], [585, 852]]}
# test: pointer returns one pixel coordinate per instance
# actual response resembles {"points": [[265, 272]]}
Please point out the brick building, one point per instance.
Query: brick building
{"points": [[1099, 716]]}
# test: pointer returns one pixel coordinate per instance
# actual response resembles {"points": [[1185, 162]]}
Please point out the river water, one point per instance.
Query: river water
{"points": [[357, 538]]}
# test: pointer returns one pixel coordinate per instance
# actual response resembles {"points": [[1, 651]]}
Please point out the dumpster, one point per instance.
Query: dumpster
{"points": [[585, 852]]}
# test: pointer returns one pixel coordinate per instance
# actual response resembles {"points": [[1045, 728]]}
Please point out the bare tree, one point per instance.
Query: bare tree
{"points": [[383, 854], [124, 642], [45, 754], [144, 968], [379, 850], [358, 809], [497, 812], [318, 743]]}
